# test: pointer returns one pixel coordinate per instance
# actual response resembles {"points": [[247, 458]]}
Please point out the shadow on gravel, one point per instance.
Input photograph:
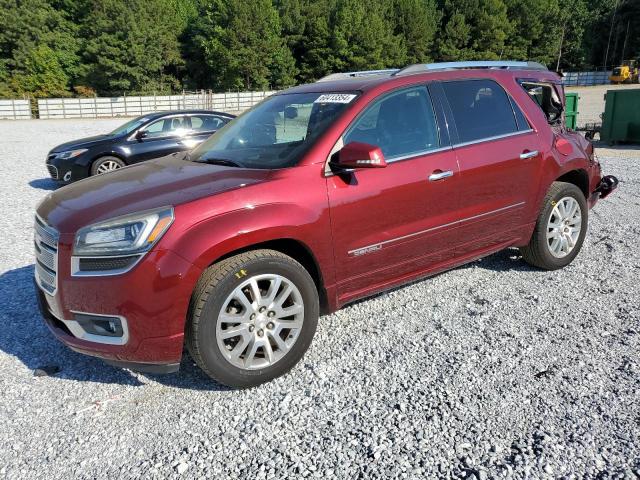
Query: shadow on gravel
{"points": [[25, 336], [44, 184], [502, 261]]}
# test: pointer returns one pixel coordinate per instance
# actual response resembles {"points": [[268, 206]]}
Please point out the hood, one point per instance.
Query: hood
{"points": [[157, 183], [83, 143]]}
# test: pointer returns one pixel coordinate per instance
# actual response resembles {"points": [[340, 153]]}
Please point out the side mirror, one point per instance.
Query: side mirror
{"points": [[140, 134], [360, 155]]}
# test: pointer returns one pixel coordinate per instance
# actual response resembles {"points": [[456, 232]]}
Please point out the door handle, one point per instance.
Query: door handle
{"points": [[525, 155], [440, 175]]}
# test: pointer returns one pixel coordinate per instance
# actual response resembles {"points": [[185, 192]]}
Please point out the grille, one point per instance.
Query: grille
{"points": [[53, 171], [46, 247]]}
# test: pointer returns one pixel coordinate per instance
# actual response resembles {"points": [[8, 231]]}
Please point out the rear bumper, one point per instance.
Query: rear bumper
{"points": [[607, 185]]}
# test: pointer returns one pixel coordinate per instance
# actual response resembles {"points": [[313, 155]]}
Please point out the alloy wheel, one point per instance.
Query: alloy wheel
{"points": [[563, 228], [108, 166], [260, 321]]}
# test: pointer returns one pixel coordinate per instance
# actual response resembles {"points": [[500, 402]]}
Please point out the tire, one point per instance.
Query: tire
{"points": [[106, 164], [217, 296], [540, 250]]}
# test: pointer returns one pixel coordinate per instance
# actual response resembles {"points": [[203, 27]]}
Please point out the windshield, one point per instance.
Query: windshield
{"points": [[275, 133], [130, 126]]}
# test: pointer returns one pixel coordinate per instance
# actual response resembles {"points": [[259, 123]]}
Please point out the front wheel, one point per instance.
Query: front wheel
{"points": [[252, 317], [560, 228], [106, 165]]}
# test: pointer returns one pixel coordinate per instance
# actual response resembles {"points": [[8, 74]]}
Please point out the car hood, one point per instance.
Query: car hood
{"points": [[166, 181], [83, 143]]}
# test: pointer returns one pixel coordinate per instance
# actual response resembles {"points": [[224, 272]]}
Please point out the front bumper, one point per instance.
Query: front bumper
{"points": [[66, 170], [153, 298]]}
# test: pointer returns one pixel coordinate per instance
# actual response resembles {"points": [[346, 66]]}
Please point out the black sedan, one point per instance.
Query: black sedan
{"points": [[143, 138]]}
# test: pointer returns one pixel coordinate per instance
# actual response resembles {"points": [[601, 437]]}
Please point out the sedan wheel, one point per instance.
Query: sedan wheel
{"points": [[106, 165]]}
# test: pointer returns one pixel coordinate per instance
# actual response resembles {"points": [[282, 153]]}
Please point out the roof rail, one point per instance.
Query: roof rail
{"points": [[428, 67], [363, 73]]}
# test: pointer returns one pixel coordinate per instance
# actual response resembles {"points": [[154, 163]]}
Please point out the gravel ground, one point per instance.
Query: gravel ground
{"points": [[492, 370]]}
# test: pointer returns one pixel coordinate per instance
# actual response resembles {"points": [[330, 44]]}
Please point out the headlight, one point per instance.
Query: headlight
{"points": [[131, 234], [71, 153]]}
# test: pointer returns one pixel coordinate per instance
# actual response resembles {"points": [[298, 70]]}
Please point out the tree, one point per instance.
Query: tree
{"points": [[36, 38], [132, 47], [474, 30], [363, 38], [416, 22], [241, 45]]}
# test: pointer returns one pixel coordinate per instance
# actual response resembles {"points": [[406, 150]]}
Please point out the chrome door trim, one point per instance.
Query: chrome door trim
{"points": [[377, 246], [434, 177], [490, 139]]}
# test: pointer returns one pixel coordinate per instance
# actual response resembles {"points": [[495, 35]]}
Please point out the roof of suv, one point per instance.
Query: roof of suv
{"points": [[364, 81]]}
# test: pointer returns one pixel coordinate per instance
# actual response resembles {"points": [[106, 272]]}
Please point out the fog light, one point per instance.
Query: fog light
{"points": [[67, 176], [100, 325]]}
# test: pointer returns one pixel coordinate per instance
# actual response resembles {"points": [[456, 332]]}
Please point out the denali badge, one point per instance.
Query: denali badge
{"points": [[365, 250]]}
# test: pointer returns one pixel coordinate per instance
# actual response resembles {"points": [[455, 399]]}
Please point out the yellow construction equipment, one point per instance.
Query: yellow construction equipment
{"points": [[625, 73]]}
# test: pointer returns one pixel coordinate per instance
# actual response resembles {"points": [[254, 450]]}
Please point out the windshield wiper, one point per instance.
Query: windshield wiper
{"points": [[221, 161]]}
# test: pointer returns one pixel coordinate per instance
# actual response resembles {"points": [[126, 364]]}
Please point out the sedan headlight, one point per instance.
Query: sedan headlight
{"points": [[128, 235], [71, 153]]}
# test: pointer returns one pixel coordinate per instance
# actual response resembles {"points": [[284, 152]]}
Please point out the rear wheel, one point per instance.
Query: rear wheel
{"points": [[106, 165], [560, 228], [252, 318]]}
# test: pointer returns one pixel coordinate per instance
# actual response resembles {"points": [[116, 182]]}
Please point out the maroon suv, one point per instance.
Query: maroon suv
{"points": [[319, 195]]}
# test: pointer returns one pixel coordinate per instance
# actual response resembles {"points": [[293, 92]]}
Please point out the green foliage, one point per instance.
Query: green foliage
{"points": [[131, 47], [65, 47]]}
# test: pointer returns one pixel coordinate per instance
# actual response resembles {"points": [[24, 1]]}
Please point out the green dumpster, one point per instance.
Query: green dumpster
{"points": [[571, 110], [621, 119]]}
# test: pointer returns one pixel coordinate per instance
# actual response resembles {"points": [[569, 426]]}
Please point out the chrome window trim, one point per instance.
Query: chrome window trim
{"points": [[377, 246], [76, 272], [490, 139], [79, 332]]}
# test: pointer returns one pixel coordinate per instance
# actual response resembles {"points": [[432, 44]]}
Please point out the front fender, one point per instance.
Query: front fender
{"points": [[213, 238]]}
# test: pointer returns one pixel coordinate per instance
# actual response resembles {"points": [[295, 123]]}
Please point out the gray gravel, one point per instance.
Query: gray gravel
{"points": [[493, 370]]}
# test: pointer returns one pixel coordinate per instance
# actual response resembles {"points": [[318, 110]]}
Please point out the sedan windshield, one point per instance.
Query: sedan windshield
{"points": [[130, 126], [275, 133]]}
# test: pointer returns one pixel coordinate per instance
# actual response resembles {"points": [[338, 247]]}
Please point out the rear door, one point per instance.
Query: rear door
{"points": [[390, 222], [499, 156], [202, 126], [164, 136]]}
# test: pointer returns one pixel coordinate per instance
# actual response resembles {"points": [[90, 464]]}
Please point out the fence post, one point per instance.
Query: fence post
{"points": [[13, 108], [64, 110], [95, 105], [126, 113]]}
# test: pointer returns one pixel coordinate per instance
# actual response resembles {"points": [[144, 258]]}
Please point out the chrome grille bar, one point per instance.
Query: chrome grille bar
{"points": [[46, 248]]}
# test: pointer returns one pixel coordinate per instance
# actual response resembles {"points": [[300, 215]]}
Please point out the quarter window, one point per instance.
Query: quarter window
{"points": [[481, 109], [207, 123], [401, 124]]}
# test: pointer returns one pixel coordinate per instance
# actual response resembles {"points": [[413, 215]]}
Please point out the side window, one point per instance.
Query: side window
{"points": [[481, 109], [401, 124], [206, 123], [547, 98], [168, 127]]}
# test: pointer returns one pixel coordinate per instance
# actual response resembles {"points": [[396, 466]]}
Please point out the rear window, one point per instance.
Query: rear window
{"points": [[481, 109]]}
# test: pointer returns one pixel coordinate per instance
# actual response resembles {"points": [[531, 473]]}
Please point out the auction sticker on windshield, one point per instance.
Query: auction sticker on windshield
{"points": [[335, 98]]}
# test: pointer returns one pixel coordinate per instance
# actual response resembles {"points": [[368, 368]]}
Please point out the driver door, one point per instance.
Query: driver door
{"points": [[162, 137], [391, 222]]}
